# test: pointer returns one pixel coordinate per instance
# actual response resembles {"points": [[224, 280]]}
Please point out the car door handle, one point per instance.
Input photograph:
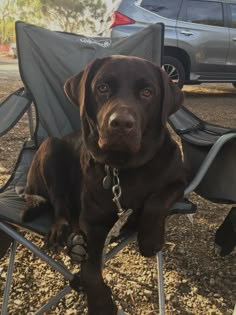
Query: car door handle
{"points": [[234, 39], [187, 33]]}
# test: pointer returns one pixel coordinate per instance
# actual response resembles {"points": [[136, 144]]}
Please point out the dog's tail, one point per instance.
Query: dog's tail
{"points": [[35, 206]]}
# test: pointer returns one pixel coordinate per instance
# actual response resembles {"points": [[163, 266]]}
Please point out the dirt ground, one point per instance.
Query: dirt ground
{"points": [[197, 280]]}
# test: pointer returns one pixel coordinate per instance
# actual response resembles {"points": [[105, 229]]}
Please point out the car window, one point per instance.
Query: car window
{"points": [[233, 15], [210, 13], [169, 9]]}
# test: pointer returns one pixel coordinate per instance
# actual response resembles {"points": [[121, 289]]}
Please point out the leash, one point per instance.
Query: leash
{"points": [[112, 175]]}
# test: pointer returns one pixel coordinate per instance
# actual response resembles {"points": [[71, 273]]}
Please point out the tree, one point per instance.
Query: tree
{"points": [[74, 15], [30, 11], [70, 15], [12, 10], [6, 17]]}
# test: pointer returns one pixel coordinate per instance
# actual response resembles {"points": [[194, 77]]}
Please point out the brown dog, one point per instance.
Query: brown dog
{"points": [[124, 105]]}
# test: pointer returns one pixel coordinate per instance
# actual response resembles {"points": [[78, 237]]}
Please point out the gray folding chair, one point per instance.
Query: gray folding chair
{"points": [[46, 60]]}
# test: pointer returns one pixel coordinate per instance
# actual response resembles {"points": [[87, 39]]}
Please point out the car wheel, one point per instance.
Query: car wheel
{"points": [[234, 84], [174, 68]]}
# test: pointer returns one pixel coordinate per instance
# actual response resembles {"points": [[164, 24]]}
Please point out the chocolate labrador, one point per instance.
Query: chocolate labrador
{"points": [[124, 154]]}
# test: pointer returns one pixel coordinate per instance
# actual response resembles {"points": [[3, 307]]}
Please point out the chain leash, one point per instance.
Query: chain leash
{"points": [[123, 214]]}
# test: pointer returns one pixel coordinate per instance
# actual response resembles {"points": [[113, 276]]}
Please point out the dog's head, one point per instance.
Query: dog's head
{"points": [[124, 106]]}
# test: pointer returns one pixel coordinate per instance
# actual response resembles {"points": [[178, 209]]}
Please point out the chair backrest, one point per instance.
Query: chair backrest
{"points": [[47, 59]]}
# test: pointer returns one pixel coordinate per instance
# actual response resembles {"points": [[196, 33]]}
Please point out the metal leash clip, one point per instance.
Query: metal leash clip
{"points": [[116, 190], [117, 193]]}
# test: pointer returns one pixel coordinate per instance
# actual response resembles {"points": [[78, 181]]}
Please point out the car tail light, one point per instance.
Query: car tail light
{"points": [[121, 19]]}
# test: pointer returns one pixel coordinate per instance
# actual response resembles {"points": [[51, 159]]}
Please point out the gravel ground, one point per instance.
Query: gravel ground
{"points": [[197, 280]]}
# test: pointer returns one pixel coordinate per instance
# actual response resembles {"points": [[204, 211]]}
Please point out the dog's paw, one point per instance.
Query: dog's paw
{"points": [[35, 205], [58, 234], [77, 247], [150, 247]]}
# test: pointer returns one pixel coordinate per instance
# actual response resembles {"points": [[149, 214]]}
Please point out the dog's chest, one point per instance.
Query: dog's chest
{"points": [[132, 187], [136, 187]]}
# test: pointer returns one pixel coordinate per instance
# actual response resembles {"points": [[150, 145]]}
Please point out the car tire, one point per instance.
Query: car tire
{"points": [[234, 84], [174, 68]]}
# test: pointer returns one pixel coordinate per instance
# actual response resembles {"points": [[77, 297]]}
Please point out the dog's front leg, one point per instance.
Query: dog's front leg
{"points": [[151, 225], [98, 293]]}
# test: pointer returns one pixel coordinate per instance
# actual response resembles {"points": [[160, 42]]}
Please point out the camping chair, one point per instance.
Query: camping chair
{"points": [[46, 60]]}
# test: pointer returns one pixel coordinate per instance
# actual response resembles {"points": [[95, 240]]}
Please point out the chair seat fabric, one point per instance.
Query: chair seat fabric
{"points": [[195, 131], [11, 198]]}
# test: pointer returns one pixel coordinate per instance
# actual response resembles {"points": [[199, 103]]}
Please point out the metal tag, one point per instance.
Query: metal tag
{"points": [[107, 181]]}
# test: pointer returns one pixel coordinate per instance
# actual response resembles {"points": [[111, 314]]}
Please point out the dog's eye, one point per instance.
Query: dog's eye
{"points": [[146, 92], [103, 88]]}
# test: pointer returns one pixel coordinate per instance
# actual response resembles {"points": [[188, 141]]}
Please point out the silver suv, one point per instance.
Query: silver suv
{"points": [[200, 35]]}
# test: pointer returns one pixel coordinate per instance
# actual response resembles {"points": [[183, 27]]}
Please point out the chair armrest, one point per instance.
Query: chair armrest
{"points": [[12, 109], [183, 206], [208, 161]]}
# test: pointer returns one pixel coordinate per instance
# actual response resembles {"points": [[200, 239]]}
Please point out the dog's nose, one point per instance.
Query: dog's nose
{"points": [[122, 122]]}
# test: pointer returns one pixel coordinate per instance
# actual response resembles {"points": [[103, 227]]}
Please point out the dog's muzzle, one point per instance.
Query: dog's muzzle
{"points": [[123, 123], [120, 132]]}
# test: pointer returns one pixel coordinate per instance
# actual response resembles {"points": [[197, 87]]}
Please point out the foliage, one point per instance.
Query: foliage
{"points": [[69, 15], [74, 15], [30, 11], [12, 10], [6, 19]]}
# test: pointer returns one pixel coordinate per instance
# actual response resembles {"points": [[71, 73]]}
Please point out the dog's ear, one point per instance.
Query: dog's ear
{"points": [[77, 88], [172, 96], [71, 88]]}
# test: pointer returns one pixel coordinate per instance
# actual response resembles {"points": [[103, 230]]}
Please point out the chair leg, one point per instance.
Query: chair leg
{"points": [[39, 253], [56, 299], [161, 291], [9, 278], [72, 278], [5, 241]]}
